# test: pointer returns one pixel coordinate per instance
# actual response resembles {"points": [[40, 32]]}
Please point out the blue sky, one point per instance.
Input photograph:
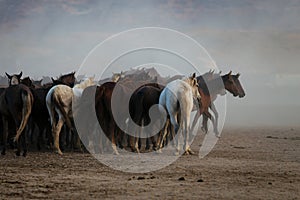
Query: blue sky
{"points": [[258, 38]]}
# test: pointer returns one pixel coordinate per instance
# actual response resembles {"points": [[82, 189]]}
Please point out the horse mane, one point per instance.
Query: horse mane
{"points": [[71, 74]]}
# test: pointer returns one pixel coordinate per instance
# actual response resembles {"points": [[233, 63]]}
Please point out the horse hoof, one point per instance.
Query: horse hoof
{"points": [[191, 152], [59, 152], [159, 151], [16, 139], [204, 129]]}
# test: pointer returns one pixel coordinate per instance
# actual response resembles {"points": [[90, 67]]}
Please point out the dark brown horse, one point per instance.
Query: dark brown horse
{"points": [[140, 102], [104, 114], [16, 104]]}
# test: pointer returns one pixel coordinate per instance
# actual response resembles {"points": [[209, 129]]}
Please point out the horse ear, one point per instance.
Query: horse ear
{"points": [[52, 79], [20, 75], [238, 75], [8, 76], [194, 75], [212, 71], [230, 72], [220, 72]]}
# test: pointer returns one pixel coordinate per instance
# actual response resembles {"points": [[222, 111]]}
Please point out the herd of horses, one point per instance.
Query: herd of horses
{"points": [[30, 110]]}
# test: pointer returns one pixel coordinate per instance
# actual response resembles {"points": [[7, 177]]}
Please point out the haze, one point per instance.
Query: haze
{"points": [[258, 38]]}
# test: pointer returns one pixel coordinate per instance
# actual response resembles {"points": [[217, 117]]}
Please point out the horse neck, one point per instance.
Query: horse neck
{"points": [[212, 87]]}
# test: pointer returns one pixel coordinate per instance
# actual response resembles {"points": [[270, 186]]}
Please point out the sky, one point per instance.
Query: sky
{"points": [[258, 38]]}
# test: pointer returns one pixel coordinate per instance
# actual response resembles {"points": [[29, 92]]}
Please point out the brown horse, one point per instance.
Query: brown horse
{"points": [[208, 92], [104, 114], [16, 104], [104, 99], [139, 104], [236, 89]]}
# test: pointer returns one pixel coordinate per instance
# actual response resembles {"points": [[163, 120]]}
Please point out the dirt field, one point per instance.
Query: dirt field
{"points": [[260, 163]]}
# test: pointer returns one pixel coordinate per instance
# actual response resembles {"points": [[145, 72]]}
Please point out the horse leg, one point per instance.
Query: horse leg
{"points": [[113, 138], [24, 143], [5, 134], [207, 113], [204, 127], [173, 120], [185, 123], [214, 109], [18, 142], [49, 136], [196, 118], [56, 133], [163, 134]]}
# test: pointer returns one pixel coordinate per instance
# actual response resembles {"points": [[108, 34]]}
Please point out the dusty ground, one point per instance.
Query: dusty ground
{"points": [[246, 163]]}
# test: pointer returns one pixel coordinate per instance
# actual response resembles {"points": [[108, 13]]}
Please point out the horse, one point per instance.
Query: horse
{"points": [[209, 88], [140, 102], [67, 79], [104, 99], [104, 114], [37, 83], [28, 82], [39, 113], [14, 79], [59, 100], [16, 104], [235, 88], [177, 99], [209, 91]]}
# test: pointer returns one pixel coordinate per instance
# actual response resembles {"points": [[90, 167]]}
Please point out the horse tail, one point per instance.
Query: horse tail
{"points": [[60, 106], [27, 100]]}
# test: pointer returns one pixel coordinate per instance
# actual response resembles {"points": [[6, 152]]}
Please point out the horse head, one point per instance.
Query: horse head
{"points": [[241, 92], [37, 83], [68, 79], [28, 82], [14, 79], [192, 81], [231, 85]]}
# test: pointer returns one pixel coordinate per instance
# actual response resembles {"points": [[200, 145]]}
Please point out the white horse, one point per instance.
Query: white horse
{"points": [[177, 98], [59, 100]]}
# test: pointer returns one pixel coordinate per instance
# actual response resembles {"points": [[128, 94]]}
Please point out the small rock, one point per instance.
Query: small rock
{"points": [[140, 178], [200, 180], [181, 179], [270, 183]]}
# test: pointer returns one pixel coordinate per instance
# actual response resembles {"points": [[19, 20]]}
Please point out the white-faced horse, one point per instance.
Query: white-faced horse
{"points": [[178, 98], [59, 100]]}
